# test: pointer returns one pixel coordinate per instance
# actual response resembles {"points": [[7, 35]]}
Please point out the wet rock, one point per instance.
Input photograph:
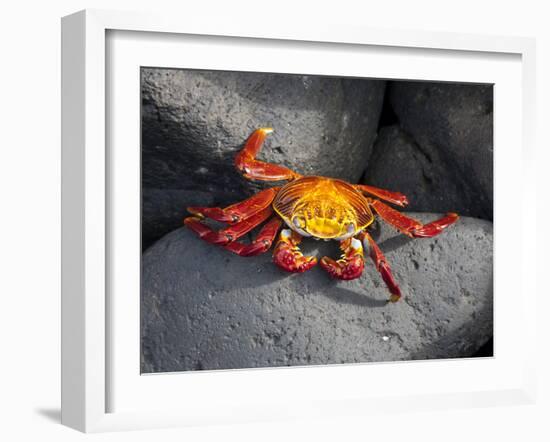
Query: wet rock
{"points": [[454, 123], [194, 122], [399, 163], [205, 308]]}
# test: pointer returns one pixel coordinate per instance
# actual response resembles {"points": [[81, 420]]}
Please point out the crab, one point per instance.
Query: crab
{"points": [[310, 206]]}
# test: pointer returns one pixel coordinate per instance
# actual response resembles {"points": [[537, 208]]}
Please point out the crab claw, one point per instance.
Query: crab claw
{"points": [[287, 254], [350, 265]]}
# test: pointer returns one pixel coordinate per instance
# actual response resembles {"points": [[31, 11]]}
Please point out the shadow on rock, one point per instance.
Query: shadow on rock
{"points": [[344, 295]]}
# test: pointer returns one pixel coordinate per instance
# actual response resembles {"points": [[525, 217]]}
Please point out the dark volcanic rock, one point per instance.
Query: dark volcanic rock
{"points": [[453, 122], [400, 164], [163, 210], [194, 122], [205, 308]]}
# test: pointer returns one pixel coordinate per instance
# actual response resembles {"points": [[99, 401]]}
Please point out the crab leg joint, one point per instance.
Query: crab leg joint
{"points": [[310, 206]]}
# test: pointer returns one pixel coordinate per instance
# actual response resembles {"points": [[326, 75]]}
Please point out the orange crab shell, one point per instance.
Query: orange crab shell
{"points": [[314, 206], [323, 208]]}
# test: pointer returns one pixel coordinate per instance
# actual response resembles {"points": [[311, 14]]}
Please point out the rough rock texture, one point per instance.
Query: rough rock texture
{"points": [[205, 308], [453, 123], [163, 210], [399, 163], [193, 123]]}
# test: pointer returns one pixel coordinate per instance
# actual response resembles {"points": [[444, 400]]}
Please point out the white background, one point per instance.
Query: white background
{"points": [[30, 219], [259, 391]]}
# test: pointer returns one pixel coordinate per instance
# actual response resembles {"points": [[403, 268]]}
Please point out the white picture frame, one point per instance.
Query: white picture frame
{"points": [[87, 233]]}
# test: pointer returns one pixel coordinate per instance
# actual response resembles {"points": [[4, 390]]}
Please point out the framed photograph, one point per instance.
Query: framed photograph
{"points": [[202, 160]]}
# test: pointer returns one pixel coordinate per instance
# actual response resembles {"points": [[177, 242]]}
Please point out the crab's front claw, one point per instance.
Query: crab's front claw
{"points": [[287, 254], [343, 269], [350, 265]]}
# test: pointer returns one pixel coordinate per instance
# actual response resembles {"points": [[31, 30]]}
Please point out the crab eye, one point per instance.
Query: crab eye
{"points": [[350, 228], [299, 222]]}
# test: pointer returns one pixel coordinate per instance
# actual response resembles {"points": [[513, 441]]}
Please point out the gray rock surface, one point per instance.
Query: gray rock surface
{"points": [[453, 123], [205, 308], [194, 122], [163, 210], [399, 163]]}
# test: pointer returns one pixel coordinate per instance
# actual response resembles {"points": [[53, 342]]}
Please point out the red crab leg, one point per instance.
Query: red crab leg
{"points": [[253, 169], [350, 265], [287, 254], [392, 197], [239, 211], [410, 226], [230, 233], [381, 265], [261, 244]]}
